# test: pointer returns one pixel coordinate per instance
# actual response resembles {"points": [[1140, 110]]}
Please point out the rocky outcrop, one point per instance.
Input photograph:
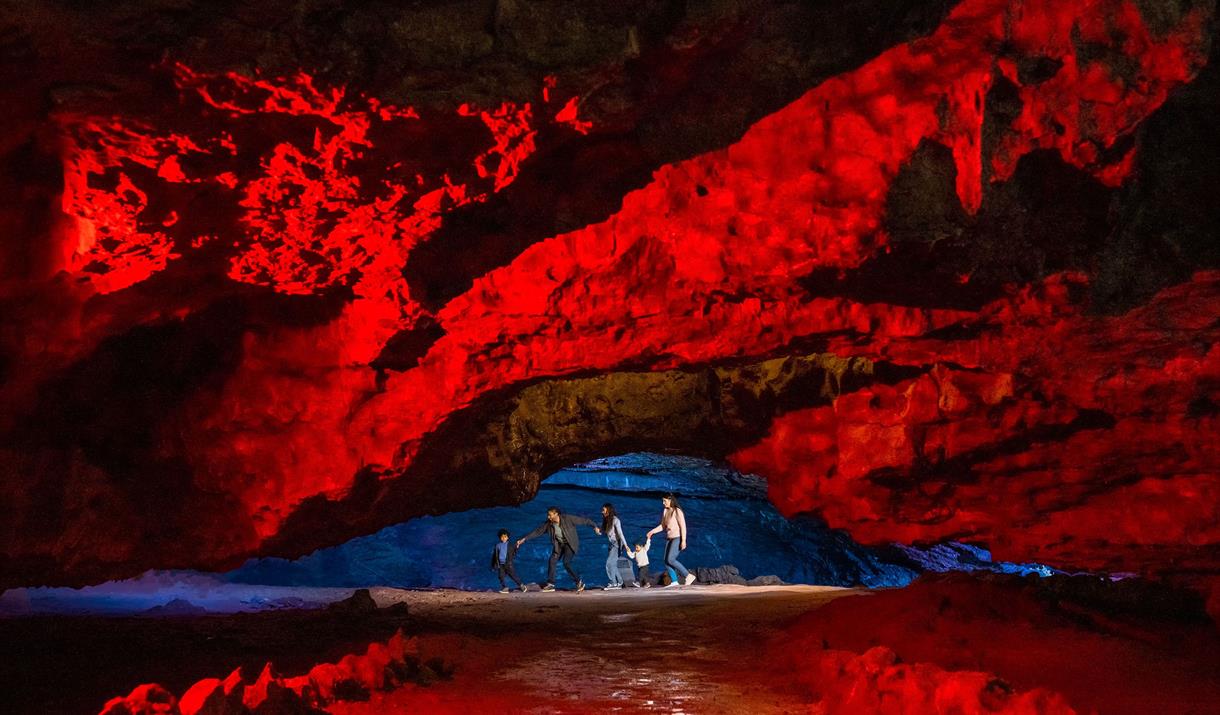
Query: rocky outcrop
{"points": [[359, 603], [731, 575], [1069, 419], [1007, 642], [768, 580], [388, 666], [719, 574], [176, 607], [914, 279], [877, 681]]}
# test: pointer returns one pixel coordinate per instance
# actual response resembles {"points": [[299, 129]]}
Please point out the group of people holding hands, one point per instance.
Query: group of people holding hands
{"points": [[565, 543]]}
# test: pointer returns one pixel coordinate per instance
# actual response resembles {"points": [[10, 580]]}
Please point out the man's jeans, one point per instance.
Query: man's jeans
{"points": [[566, 553]]}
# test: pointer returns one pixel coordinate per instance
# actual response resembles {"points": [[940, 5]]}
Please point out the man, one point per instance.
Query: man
{"points": [[565, 543]]}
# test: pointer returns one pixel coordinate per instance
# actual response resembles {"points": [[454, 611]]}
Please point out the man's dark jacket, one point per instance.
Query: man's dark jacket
{"points": [[568, 523], [495, 555]]}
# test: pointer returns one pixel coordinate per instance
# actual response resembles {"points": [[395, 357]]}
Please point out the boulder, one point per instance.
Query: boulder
{"points": [[720, 574], [771, 580], [360, 603], [176, 607]]}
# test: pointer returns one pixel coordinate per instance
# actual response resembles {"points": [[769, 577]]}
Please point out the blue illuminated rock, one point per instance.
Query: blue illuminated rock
{"points": [[729, 518]]}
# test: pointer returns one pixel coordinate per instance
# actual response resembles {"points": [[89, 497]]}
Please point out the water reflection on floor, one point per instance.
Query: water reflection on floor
{"points": [[602, 675], [702, 649], [630, 662]]}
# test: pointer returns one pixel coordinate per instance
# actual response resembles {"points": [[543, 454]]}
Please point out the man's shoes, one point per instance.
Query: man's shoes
{"points": [[580, 586], [645, 585], [690, 578], [548, 588], [504, 590], [523, 588], [613, 587]]}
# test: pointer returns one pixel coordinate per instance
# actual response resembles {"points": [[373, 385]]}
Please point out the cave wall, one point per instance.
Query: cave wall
{"points": [[285, 277]]}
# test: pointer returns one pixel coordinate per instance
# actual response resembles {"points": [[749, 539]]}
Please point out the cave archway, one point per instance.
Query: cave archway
{"points": [[736, 536], [498, 449]]}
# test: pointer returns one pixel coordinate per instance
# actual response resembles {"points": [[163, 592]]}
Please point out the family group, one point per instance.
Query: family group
{"points": [[565, 544]]}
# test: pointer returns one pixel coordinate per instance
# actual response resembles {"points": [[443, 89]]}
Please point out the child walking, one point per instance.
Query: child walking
{"points": [[641, 559], [502, 556]]}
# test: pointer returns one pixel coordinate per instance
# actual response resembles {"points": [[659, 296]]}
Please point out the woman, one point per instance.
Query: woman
{"points": [[673, 523], [613, 529]]}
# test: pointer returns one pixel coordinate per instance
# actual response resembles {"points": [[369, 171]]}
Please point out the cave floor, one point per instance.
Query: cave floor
{"points": [[702, 649], [697, 649]]}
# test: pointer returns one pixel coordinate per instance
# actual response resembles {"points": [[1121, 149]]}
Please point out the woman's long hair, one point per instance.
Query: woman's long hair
{"points": [[671, 511], [608, 519]]}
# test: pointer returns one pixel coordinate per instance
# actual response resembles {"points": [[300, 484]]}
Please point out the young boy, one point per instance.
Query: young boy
{"points": [[502, 556], [641, 560]]}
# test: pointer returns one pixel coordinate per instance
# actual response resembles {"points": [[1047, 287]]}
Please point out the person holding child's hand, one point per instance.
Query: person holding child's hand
{"points": [[673, 523]]}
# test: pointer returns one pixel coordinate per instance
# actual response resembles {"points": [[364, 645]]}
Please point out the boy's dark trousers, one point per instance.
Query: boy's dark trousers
{"points": [[503, 569], [644, 575], [566, 553]]}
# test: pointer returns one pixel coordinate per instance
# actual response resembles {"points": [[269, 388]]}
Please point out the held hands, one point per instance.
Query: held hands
{"points": [[597, 531], [519, 542]]}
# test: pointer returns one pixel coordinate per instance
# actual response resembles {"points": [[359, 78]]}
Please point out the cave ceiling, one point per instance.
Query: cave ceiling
{"points": [[276, 275]]}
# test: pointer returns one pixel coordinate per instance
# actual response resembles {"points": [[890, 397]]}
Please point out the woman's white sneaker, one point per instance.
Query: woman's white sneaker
{"points": [[690, 578]]}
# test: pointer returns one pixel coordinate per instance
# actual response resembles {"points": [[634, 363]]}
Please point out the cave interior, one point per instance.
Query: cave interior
{"points": [[914, 305]]}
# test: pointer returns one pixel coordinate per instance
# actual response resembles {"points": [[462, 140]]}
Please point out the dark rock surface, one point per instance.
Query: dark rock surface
{"points": [[176, 607], [719, 574], [360, 603]]}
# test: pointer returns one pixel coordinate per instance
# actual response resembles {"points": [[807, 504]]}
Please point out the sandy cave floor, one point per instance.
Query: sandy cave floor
{"points": [[696, 649], [693, 649]]}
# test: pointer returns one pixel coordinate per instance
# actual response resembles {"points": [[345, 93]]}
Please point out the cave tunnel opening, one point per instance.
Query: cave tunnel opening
{"points": [[735, 536]]}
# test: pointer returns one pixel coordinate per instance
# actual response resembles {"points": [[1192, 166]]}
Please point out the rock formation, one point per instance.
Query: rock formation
{"points": [[387, 666], [280, 276], [1000, 643]]}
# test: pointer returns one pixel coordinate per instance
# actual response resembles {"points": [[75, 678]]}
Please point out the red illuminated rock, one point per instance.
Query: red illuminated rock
{"points": [[388, 666], [143, 700], [234, 348], [1077, 425], [1044, 645], [877, 682]]}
